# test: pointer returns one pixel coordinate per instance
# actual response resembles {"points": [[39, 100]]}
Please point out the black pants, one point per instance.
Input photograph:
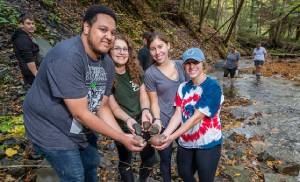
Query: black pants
{"points": [[165, 163], [125, 157], [230, 71], [204, 161]]}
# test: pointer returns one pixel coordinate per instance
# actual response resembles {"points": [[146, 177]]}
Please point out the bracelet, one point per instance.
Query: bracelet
{"points": [[154, 119], [145, 108]]}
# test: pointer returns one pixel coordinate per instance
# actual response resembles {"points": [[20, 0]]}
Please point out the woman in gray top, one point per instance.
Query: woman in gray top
{"points": [[231, 64], [162, 80]]}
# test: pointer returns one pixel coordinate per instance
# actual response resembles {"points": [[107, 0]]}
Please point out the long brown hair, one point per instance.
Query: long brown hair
{"points": [[132, 65], [159, 35]]}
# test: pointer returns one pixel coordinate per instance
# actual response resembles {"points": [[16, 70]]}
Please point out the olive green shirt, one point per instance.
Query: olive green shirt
{"points": [[127, 95]]}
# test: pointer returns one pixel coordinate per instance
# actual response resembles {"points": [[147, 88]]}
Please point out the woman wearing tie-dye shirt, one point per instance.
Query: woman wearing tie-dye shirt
{"points": [[198, 104]]}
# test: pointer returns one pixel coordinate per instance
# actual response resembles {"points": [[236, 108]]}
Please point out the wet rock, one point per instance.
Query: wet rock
{"points": [[44, 46], [17, 172], [236, 137], [21, 91], [17, 157], [46, 175], [236, 154], [105, 162], [291, 168], [140, 139], [265, 156], [2, 154], [111, 146], [138, 129], [284, 150], [154, 129], [259, 146], [31, 162], [12, 141], [14, 171], [271, 177], [3, 72], [238, 173], [146, 125], [157, 139], [149, 179]]}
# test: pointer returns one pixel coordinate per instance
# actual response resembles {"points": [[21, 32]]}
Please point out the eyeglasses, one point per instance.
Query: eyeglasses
{"points": [[119, 49]]}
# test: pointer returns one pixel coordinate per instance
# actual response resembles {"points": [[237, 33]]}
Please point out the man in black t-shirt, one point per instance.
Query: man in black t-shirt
{"points": [[25, 49]]}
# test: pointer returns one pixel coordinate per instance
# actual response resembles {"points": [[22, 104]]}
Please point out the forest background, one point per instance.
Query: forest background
{"points": [[212, 25]]}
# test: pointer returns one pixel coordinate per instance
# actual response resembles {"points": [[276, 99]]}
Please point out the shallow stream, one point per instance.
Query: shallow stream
{"points": [[273, 114]]}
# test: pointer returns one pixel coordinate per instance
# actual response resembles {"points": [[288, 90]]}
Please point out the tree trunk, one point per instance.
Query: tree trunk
{"points": [[297, 33], [234, 31], [219, 29], [232, 25], [203, 12], [252, 13], [278, 27], [190, 5], [217, 15]]}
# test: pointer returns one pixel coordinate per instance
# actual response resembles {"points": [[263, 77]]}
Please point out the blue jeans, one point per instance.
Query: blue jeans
{"points": [[76, 165]]}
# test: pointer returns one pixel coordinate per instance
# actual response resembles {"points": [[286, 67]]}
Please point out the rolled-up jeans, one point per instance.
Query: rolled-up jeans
{"points": [[76, 165]]}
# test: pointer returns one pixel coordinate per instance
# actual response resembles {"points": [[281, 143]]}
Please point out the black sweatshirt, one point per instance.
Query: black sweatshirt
{"points": [[26, 51]]}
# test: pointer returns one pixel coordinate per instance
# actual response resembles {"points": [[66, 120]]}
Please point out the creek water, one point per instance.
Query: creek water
{"points": [[273, 114]]}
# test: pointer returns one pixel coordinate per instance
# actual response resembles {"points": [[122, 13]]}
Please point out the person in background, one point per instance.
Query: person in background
{"points": [[196, 121], [144, 56], [162, 79], [68, 100], [130, 104], [26, 51], [259, 56], [231, 64]]}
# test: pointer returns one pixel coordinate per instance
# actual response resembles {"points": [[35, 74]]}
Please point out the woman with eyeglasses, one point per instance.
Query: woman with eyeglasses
{"points": [[162, 80], [198, 103], [130, 104]]}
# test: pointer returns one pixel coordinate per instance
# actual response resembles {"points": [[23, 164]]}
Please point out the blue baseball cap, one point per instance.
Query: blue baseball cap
{"points": [[193, 53]]}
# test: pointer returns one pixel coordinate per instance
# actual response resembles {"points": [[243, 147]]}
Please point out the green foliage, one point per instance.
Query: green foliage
{"points": [[48, 3], [53, 17], [8, 15], [6, 79], [84, 2], [13, 125], [131, 27]]}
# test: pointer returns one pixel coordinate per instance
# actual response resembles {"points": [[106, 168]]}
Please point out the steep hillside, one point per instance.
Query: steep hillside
{"points": [[58, 20]]}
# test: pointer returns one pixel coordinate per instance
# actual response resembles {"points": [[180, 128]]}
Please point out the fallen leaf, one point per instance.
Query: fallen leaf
{"points": [[237, 174], [10, 152]]}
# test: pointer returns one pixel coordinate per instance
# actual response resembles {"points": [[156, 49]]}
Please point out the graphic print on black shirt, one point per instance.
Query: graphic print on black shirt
{"points": [[96, 81]]}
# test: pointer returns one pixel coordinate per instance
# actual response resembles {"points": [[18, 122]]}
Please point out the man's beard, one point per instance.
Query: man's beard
{"points": [[92, 46]]}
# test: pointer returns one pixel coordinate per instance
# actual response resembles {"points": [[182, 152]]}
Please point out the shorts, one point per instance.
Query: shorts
{"points": [[258, 62], [230, 71]]}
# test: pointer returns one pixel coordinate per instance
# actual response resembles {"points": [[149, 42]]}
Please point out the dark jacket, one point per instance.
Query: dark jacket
{"points": [[145, 57], [26, 51]]}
